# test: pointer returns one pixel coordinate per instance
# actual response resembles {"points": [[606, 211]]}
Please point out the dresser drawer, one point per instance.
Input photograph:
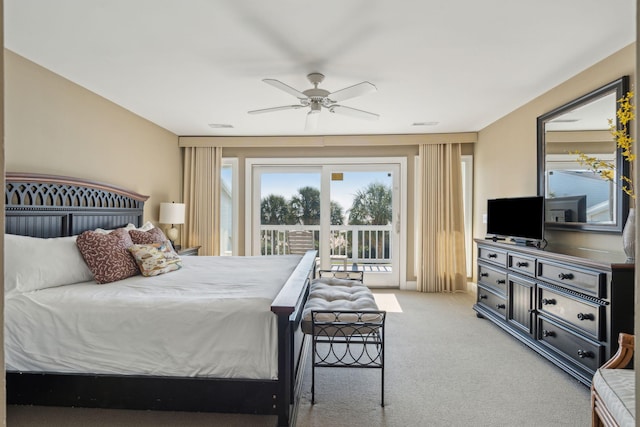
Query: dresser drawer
{"points": [[493, 256], [584, 315], [491, 300], [492, 278], [522, 264], [588, 354], [583, 280]]}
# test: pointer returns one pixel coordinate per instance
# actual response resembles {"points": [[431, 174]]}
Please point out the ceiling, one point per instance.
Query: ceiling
{"points": [[189, 64]]}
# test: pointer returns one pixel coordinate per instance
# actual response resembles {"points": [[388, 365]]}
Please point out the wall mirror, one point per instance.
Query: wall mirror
{"points": [[576, 198]]}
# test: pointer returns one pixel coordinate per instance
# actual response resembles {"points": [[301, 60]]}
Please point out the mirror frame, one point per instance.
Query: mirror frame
{"points": [[620, 87]]}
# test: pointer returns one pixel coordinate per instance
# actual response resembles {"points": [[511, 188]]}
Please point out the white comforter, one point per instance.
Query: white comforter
{"points": [[212, 318]]}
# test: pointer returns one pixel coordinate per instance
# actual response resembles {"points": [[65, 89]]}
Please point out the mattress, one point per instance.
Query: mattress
{"points": [[211, 318]]}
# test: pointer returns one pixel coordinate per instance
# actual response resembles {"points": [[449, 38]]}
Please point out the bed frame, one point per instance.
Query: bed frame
{"points": [[55, 206]]}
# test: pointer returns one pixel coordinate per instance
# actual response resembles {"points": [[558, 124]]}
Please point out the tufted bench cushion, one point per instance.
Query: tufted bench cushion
{"points": [[338, 296], [616, 388]]}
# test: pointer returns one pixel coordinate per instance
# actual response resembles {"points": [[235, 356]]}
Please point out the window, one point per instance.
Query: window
{"points": [[229, 207]]}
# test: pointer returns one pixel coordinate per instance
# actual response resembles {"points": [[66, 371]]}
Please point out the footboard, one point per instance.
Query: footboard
{"points": [[288, 306]]}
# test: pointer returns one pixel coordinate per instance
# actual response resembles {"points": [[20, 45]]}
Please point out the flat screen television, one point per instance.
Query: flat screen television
{"points": [[519, 218]]}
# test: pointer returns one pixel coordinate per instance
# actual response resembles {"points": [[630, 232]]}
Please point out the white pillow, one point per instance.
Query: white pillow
{"points": [[145, 227], [31, 263]]}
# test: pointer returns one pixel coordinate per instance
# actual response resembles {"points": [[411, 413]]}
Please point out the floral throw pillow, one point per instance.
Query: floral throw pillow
{"points": [[107, 255], [156, 258]]}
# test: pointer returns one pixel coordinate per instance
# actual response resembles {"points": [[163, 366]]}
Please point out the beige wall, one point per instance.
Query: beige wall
{"points": [[57, 127], [506, 157]]}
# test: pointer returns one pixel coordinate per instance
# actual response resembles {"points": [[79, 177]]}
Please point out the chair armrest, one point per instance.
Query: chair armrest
{"points": [[624, 354]]}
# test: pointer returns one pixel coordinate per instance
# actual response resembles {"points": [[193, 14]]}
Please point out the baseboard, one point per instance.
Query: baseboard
{"points": [[409, 286]]}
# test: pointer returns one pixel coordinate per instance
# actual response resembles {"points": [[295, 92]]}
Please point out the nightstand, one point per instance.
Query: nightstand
{"points": [[193, 251]]}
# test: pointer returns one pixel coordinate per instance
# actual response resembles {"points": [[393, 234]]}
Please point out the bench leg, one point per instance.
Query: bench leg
{"points": [[313, 371]]}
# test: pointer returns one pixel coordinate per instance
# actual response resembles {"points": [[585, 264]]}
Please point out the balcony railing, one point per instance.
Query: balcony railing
{"points": [[367, 244]]}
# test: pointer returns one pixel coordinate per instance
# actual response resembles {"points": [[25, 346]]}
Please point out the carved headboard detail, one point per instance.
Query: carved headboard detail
{"points": [[54, 206]]}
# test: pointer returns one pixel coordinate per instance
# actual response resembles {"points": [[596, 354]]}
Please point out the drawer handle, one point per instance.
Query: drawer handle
{"points": [[492, 256], [482, 297], [484, 274], [550, 301], [546, 333], [567, 276], [501, 306], [522, 264], [585, 353], [585, 316], [501, 281]]}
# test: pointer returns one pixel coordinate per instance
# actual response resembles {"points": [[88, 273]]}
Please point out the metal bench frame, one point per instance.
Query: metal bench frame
{"points": [[351, 339]]}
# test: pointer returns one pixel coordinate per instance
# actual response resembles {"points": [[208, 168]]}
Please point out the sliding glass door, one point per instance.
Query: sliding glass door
{"points": [[350, 212]]}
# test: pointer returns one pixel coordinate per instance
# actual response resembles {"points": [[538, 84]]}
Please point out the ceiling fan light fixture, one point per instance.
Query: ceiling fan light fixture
{"points": [[315, 108]]}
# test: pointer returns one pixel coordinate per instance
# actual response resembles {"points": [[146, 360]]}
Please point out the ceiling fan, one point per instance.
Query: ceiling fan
{"points": [[316, 99]]}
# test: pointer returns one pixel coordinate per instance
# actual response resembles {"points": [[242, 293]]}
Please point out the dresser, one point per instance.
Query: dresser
{"points": [[567, 304]]}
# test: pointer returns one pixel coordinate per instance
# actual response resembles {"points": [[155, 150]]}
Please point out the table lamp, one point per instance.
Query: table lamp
{"points": [[172, 213]]}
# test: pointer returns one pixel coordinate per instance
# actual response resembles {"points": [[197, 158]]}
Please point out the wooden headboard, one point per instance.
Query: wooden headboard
{"points": [[40, 205]]}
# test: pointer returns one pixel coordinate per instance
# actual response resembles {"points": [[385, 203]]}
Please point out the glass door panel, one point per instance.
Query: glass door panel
{"points": [[289, 200], [363, 222]]}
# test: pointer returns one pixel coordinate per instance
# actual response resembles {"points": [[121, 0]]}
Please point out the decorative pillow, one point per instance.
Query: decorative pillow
{"points": [[107, 255], [31, 263], [155, 235], [156, 258]]}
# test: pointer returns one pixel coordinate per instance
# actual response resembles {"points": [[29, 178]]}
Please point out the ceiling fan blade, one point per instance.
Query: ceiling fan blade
{"points": [[353, 112], [352, 91], [269, 110], [278, 84], [312, 120]]}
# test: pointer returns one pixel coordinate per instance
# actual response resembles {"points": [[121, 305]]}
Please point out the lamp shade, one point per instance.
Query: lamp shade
{"points": [[171, 213]]}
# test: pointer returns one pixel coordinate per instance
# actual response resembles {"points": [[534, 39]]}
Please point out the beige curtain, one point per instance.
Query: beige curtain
{"points": [[440, 239], [201, 190]]}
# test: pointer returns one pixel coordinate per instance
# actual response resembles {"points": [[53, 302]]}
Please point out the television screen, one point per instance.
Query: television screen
{"points": [[518, 217]]}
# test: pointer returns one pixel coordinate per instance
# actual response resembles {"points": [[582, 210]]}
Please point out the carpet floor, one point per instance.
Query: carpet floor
{"points": [[444, 367]]}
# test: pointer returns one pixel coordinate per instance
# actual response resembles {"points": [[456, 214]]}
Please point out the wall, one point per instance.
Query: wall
{"points": [[513, 138], [56, 127]]}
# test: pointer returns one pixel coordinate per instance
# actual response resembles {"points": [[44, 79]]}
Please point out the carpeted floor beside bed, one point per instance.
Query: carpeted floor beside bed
{"points": [[444, 367]]}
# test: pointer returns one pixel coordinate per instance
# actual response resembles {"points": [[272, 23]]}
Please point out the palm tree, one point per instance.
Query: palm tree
{"points": [[337, 214], [305, 206], [274, 210], [371, 206]]}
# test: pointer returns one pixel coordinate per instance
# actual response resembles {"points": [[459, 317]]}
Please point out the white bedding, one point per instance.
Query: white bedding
{"points": [[212, 318]]}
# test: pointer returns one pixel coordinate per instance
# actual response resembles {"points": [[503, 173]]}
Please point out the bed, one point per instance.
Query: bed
{"points": [[188, 370]]}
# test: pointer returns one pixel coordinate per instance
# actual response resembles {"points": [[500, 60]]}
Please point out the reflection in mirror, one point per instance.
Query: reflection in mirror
{"points": [[576, 197]]}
